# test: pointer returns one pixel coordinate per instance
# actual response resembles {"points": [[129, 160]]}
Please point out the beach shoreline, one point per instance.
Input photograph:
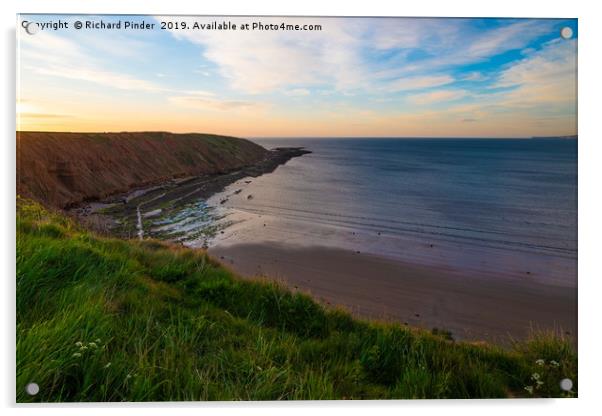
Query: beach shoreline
{"points": [[108, 215], [490, 309]]}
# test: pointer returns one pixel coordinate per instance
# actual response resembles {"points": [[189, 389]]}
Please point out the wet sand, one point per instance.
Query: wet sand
{"points": [[491, 308]]}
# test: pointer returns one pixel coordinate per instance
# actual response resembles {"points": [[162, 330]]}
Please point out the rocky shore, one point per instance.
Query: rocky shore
{"points": [[125, 214]]}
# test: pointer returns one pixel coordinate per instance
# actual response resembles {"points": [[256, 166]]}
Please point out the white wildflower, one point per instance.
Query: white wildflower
{"points": [[77, 355], [529, 389], [540, 362], [554, 363], [535, 376], [92, 345], [79, 344]]}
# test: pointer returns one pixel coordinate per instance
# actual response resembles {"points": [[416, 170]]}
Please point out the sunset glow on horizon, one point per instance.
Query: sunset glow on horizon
{"points": [[356, 77]]}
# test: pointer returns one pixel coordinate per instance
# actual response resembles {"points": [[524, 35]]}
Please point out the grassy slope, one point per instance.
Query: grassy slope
{"points": [[101, 319], [60, 169]]}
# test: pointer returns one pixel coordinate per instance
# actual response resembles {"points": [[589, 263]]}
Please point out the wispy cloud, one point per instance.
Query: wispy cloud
{"points": [[546, 77], [474, 76], [43, 115], [437, 96], [514, 36], [298, 92], [263, 61], [419, 83], [211, 104], [260, 62], [100, 77], [440, 74], [52, 55]]}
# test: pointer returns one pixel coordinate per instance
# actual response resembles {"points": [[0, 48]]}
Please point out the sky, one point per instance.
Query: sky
{"points": [[356, 77]]}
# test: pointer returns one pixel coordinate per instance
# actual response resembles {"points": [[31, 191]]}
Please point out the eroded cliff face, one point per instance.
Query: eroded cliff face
{"points": [[64, 169]]}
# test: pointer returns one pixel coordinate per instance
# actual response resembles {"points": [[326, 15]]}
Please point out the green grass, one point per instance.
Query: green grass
{"points": [[103, 319]]}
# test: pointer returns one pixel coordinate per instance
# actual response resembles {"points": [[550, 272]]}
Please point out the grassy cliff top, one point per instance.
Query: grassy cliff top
{"points": [[103, 319], [62, 169]]}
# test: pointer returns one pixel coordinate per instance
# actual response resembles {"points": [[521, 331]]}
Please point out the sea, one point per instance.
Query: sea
{"points": [[496, 208]]}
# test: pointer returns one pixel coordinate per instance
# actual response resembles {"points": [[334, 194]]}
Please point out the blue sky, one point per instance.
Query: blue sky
{"points": [[412, 77]]}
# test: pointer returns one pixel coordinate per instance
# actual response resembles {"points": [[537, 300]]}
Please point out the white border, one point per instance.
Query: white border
{"points": [[590, 137]]}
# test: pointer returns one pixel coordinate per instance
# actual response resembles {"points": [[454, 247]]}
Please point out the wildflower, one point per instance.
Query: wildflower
{"points": [[554, 363], [92, 345], [540, 362], [128, 376], [97, 340], [79, 344], [529, 389], [83, 348], [77, 355], [535, 376], [539, 383]]}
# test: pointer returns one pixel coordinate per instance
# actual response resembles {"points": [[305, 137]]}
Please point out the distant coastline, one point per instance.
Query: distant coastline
{"points": [[570, 137]]}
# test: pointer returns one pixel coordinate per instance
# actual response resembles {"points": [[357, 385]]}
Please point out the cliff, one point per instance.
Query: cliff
{"points": [[63, 169]]}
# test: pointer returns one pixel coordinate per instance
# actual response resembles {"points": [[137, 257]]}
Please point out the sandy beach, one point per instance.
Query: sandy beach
{"points": [[489, 308]]}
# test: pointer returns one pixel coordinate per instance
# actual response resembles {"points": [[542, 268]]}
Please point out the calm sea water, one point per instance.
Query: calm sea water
{"points": [[474, 204]]}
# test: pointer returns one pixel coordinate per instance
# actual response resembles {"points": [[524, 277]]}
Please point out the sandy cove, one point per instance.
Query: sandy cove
{"points": [[489, 309]]}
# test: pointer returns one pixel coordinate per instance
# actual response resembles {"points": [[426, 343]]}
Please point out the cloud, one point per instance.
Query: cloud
{"points": [[394, 66], [547, 77], [101, 77], [474, 76], [211, 104], [437, 96], [447, 44], [344, 54], [298, 92], [431, 35], [52, 55], [42, 115], [264, 61], [514, 36], [418, 83], [202, 72]]}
